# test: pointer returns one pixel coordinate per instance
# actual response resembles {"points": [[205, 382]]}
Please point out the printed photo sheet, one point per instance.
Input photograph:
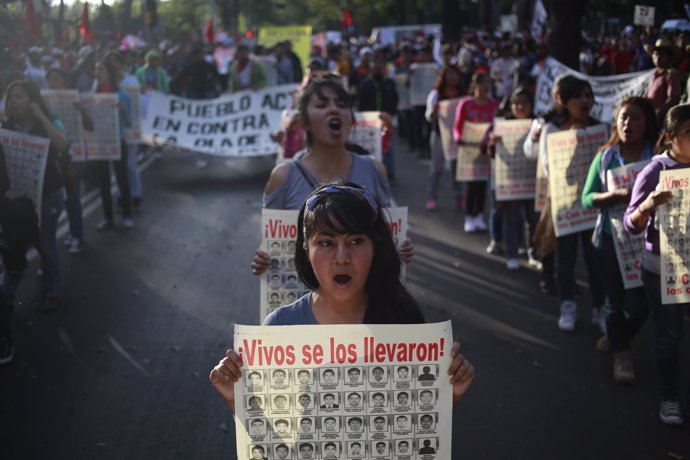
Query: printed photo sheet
{"points": [[673, 222], [25, 158], [280, 285], [446, 120], [103, 143], [472, 165], [514, 173], [422, 80], [570, 154], [347, 392], [628, 246], [63, 102]]}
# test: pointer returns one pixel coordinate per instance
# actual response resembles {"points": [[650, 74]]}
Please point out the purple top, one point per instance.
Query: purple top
{"points": [[646, 182]]}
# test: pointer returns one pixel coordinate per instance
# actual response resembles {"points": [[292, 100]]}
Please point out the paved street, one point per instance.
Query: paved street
{"points": [[120, 370]]}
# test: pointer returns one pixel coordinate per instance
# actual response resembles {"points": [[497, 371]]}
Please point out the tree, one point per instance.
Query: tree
{"points": [[566, 30]]}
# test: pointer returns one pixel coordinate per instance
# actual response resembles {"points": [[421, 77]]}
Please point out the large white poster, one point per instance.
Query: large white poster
{"points": [[355, 392], [422, 80], [674, 236], [103, 143], [608, 91], [446, 120], [628, 246], [63, 103], [25, 158], [569, 155], [239, 124], [514, 173], [280, 284], [133, 133], [367, 133], [472, 165]]}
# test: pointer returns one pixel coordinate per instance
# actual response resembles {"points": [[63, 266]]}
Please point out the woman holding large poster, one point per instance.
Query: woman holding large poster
{"points": [[477, 108], [642, 215], [346, 255], [326, 112], [633, 140], [27, 112], [572, 103]]}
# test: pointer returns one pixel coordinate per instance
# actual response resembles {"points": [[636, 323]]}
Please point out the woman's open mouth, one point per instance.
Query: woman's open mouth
{"points": [[335, 126], [342, 280]]}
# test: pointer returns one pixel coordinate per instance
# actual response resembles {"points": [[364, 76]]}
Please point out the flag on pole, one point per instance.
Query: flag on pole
{"points": [[32, 20], [209, 33], [348, 21], [85, 25], [539, 18]]}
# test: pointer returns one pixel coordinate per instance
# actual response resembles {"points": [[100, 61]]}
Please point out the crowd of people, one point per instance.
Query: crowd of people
{"points": [[340, 193]]}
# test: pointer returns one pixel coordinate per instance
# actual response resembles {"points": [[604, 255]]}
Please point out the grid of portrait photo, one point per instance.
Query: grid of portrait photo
{"points": [[350, 412]]}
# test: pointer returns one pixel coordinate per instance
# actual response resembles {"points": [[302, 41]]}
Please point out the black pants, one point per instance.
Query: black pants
{"points": [[121, 175], [476, 195]]}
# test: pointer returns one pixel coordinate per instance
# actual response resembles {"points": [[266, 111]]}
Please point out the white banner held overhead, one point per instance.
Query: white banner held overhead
{"points": [[644, 15], [364, 392], [608, 91], [25, 157], [239, 124]]}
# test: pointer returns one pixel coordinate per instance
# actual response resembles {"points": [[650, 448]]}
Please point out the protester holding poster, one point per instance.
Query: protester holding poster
{"points": [[449, 85], [477, 108], [647, 196], [572, 103], [57, 80], [326, 111], [245, 73], [511, 167], [26, 112], [346, 255], [108, 81], [632, 140]]}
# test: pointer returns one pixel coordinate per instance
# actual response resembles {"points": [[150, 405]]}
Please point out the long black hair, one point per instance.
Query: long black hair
{"points": [[346, 208], [672, 123], [33, 92]]}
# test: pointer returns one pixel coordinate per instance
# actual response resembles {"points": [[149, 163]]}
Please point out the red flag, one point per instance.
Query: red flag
{"points": [[209, 33], [85, 25], [32, 20], [347, 19]]}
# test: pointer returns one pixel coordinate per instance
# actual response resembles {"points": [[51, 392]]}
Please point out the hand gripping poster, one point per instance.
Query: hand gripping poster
{"points": [[103, 143], [472, 165], [422, 80], [628, 246], [280, 284], [674, 225], [355, 392], [446, 120], [514, 173], [25, 158], [63, 103], [569, 155]]}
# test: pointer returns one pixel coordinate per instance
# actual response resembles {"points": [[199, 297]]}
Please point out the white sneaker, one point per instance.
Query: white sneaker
{"points": [[669, 413], [494, 247], [513, 264], [75, 246], [568, 316], [469, 225], [127, 222], [479, 223], [599, 319]]}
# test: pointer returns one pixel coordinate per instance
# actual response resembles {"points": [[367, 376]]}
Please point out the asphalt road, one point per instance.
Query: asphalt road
{"points": [[120, 370]]}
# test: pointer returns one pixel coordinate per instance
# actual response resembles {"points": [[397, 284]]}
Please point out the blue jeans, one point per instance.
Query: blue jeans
{"points": [[514, 224], [51, 208], [668, 332], [627, 309], [495, 218], [566, 256], [73, 206]]}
